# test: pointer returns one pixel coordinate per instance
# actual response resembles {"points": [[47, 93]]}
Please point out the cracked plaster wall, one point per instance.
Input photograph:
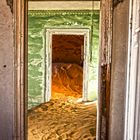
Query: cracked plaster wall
{"points": [[6, 72]]}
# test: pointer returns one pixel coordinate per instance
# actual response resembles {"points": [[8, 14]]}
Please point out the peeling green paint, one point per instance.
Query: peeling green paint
{"points": [[38, 21]]}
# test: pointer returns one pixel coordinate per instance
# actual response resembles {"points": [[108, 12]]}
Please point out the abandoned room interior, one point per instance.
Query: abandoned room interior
{"points": [[69, 69]]}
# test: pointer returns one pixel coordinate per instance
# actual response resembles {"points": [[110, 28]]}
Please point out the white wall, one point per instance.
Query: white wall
{"points": [[6, 72]]}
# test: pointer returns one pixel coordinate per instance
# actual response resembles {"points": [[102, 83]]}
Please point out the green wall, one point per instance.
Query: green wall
{"points": [[38, 21]]}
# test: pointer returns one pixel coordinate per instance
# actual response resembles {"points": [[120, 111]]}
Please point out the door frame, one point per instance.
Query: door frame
{"points": [[20, 12], [48, 57], [132, 105]]}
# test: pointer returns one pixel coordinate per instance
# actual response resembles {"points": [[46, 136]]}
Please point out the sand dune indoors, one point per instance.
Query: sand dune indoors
{"points": [[62, 119]]}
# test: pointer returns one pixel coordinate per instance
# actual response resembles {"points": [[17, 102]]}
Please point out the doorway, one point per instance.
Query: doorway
{"points": [[67, 66], [84, 13], [67, 62], [63, 64]]}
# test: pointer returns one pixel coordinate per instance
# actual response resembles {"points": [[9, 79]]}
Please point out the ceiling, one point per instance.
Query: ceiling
{"points": [[64, 5]]}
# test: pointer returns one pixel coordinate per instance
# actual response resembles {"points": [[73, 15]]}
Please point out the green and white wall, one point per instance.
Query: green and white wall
{"points": [[38, 21]]}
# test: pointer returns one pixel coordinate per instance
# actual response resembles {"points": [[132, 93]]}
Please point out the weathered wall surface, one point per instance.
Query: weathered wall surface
{"points": [[118, 78], [6, 72]]}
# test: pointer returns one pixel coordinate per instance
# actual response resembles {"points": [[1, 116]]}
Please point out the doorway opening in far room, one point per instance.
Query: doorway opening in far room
{"points": [[67, 66]]}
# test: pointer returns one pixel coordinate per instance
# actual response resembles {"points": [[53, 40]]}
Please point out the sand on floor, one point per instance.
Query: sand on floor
{"points": [[62, 119]]}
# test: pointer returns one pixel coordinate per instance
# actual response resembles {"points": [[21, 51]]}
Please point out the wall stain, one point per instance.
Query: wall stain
{"points": [[10, 4]]}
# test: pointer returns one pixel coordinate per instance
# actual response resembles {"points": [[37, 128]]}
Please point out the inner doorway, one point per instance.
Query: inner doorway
{"points": [[67, 66], [67, 63]]}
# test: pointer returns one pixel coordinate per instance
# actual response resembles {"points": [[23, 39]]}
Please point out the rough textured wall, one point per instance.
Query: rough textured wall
{"points": [[6, 72], [38, 22], [119, 63]]}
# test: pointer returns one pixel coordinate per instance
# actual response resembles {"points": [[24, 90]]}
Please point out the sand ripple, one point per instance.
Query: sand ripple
{"points": [[62, 119]]}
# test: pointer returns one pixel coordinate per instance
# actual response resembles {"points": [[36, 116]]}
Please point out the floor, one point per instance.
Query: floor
{"points": [[62, 119]]}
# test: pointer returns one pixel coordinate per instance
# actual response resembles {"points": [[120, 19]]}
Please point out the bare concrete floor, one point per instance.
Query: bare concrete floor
{"points": [[62, 119]]}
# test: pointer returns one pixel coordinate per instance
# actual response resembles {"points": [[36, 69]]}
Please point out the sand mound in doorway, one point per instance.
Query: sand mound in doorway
{"points": [[67, 80], [62, 119]]}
